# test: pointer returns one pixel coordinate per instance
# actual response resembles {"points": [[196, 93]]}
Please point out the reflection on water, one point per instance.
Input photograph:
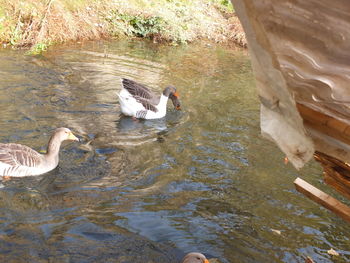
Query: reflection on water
{"points": [[201, 179]]}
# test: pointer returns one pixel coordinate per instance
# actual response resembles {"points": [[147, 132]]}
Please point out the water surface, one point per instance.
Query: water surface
{"points": [[201, 179]]}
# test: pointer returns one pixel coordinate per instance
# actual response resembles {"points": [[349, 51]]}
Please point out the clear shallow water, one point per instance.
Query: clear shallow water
{"points": [[201, 179]]}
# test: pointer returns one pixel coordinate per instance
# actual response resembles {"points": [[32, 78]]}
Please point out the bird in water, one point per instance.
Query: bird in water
{"points": [[17, 160], [194, 257], [138, 101]]}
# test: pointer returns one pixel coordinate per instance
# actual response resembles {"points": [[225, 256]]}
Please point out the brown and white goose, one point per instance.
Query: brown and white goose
{"points": [[18, 160], [194, 257], [138, 101]]}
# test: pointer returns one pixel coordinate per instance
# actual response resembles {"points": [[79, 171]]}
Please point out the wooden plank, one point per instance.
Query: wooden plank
{"points": [[323, 199]]}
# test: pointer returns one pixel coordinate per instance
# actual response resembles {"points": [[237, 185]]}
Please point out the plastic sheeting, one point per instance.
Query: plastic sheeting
{"points": [[300, 53]]}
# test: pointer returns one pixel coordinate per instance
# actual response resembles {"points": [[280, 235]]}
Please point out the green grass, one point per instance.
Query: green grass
{"points": [[226, 4], [176, 21], [38, 49], [135, 25]]}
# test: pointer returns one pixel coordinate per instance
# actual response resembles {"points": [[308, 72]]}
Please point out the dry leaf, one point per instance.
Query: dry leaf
{"points": [[276, 231], [333, 252]]}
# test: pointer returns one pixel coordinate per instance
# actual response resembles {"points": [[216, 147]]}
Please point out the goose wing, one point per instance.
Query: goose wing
{"points": [[147, 104], [19, 155], [140, 91]]}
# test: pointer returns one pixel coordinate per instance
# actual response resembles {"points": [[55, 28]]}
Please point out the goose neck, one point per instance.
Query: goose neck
{"points": [[53, 147], [163, 99]]}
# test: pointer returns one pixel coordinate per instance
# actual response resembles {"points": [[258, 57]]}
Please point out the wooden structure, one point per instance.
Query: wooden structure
{"points": [[336, 172], [301, 65]]}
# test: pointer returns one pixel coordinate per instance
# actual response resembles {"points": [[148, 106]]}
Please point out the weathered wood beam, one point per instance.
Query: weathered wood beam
{"points": [[323, 199], [329, 161], [336, 173], [325, 123], [337, 181]]}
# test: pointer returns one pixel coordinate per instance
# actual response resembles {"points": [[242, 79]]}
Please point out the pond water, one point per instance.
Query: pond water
{"points": [[201, 179]]}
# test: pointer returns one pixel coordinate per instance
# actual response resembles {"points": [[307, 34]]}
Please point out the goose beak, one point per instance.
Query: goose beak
{"points": [[175, 99], [72, 137], [206, 261]]}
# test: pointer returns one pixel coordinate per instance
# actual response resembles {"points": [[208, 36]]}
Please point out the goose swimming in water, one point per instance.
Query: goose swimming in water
{"points": [[18, 160], [138, 101], [194, 257]]}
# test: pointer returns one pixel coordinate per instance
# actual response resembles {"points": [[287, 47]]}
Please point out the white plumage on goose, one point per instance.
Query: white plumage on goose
{"points": [[138, 101]]}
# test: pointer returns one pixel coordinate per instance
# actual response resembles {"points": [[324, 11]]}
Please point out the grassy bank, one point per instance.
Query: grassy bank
{"points": [[39, 23]]}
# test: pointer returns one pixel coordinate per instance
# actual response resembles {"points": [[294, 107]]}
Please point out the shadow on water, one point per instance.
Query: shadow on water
{"points": [[136, 132], [201, 179]]}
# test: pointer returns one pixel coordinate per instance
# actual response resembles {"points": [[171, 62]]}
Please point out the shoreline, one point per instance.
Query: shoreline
{"points": [[36, 25]]}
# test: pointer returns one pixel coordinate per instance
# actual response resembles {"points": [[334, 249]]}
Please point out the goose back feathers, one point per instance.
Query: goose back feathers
{"points": [[139, 101], [18, 160]]}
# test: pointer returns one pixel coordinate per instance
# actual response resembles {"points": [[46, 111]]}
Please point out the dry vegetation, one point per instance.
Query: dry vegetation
{"points": [[39, 23]]}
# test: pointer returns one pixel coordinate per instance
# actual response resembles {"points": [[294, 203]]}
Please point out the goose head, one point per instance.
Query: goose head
{"points": [[194, 257], [58, 136], [64, 134], [172, 94]]}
